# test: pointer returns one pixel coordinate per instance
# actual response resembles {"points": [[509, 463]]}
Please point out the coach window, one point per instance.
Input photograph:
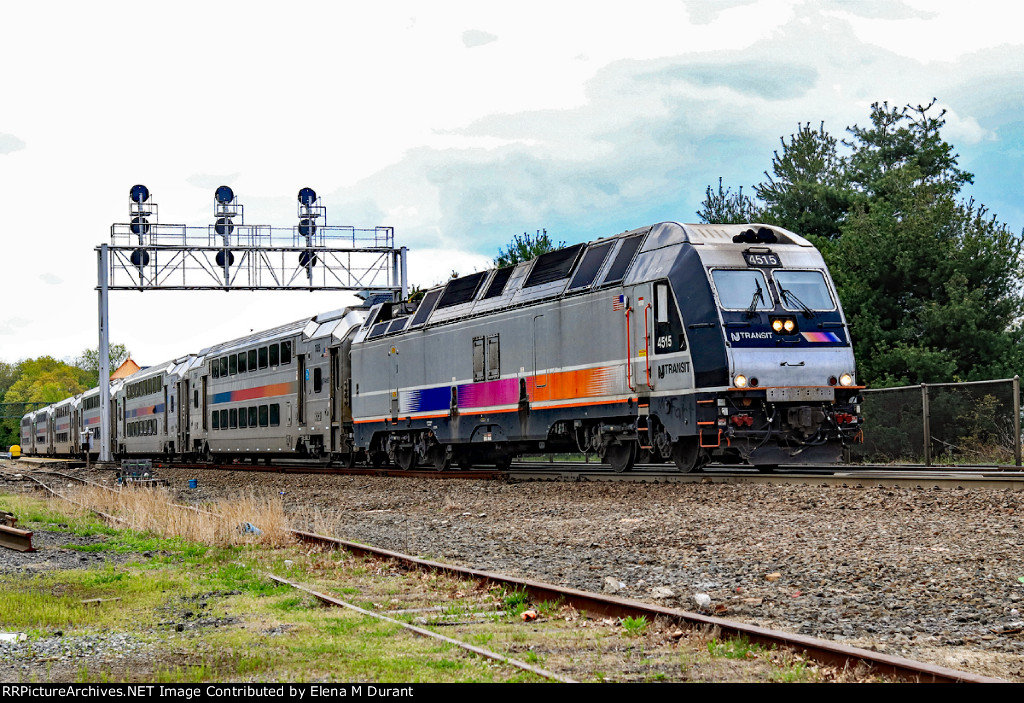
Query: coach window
{"points": [[286, 353], [264, 416], [275, 415], [263, 357], [223, 366], [253, 417], [317, 380], [195, 398], [241, 362], [214, 371], [223, 419], [274, 359], [232, 364], [216, 420], [252, 359], [243, 418], [233, 418]]}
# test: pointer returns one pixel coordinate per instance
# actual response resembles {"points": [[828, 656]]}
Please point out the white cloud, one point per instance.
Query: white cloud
{"points": [[473, 38], [10, 143]]}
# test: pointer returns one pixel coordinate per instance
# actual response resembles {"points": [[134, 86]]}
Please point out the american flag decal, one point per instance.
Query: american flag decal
{"points": [[618, 302]]}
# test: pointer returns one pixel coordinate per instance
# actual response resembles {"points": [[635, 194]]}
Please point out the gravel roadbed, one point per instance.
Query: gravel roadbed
{"points": [[934, 575]]}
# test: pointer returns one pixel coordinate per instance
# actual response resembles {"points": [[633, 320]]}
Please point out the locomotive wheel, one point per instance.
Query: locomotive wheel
{"points": [[621, 457], [686, 455], [405, 458], [502, 461], [439, 457]]}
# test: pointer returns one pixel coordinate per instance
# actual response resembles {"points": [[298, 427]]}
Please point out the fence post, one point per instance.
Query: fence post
{"points": [[926, 425], [1016, 420]]}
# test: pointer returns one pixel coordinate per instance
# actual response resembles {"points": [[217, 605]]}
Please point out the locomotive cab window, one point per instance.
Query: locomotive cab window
{"points": [[668, 325], [798, 289], [742, 289]]}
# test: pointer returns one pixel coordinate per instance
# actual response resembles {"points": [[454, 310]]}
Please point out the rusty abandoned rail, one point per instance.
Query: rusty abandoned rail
{"points": [[13, 538]]}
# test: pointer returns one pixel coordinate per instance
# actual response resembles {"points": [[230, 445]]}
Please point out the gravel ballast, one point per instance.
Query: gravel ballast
{"points": [[934, 575]]}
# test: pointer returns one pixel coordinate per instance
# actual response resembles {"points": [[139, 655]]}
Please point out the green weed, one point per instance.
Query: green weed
{"points": [[634, 626]]}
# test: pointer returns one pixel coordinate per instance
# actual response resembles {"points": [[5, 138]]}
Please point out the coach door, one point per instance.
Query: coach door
{"points": [[334, 387], [184, 403], [205, 414]]}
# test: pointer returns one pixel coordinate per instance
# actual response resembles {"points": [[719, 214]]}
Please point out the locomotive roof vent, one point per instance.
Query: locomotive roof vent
{"points": [[763, 235]]}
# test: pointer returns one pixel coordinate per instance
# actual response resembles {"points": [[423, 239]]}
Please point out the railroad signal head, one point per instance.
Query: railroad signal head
{"points": [[224, 226], [140, 225], [139, 193], [307, 196], [307, 227], [224, 195]]}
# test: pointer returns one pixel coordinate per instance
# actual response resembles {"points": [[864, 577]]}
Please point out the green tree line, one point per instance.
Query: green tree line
{"points": [[48, 380], [929, 280]]}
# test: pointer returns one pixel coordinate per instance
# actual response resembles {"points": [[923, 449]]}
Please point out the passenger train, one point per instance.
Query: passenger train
{"points": [[688, 343]]}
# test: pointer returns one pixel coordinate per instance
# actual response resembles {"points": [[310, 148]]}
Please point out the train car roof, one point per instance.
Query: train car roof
{"points": [[603, 262], [260, 337]]}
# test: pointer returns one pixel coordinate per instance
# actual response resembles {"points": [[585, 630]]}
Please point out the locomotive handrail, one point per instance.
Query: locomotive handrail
{"points": [[629, 355], [647, 345]]}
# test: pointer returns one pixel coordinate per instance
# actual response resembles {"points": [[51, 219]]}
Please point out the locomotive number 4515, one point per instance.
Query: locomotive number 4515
{"points": [[768, 260]]}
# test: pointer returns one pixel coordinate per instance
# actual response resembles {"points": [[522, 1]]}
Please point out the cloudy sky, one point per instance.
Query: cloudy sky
{"points": [[460, 124]]}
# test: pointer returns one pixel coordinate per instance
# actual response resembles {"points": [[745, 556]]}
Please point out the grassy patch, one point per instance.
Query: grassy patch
{"points": [[736, 648]]}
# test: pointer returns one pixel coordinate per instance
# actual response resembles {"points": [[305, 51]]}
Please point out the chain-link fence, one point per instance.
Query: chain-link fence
{"points": [[965, 423]]}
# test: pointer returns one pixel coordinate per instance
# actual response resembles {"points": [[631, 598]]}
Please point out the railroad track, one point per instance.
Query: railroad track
{"points": [[906, 475], [823, 651]]}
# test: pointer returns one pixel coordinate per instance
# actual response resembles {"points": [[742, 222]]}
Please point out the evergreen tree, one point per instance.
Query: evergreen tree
{"points": [[525, 248], [929, 283], [726, 207], [807, 190]]}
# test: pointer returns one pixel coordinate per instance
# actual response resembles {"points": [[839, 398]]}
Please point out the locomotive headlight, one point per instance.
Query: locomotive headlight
{"points": [[777, 325], [846, 380], [789, 325], [740, 381]]}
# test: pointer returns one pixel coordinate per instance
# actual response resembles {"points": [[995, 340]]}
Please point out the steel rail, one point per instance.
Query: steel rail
{"points": [[428, 633], [13, 538], [820, 650]]}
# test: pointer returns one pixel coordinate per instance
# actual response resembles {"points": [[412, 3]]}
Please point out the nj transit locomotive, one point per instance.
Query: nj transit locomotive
{"points": [[693, 343]]}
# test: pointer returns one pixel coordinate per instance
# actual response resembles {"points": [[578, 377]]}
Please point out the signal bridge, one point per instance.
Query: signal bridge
{"points": [[228, 254]]}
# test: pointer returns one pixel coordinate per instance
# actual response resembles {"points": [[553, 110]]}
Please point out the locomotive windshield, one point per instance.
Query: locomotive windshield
{"points": [[807, 287], [742, 289]]}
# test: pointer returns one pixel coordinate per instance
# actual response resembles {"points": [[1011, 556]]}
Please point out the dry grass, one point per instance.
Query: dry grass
{"points": [[220, 524]]}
